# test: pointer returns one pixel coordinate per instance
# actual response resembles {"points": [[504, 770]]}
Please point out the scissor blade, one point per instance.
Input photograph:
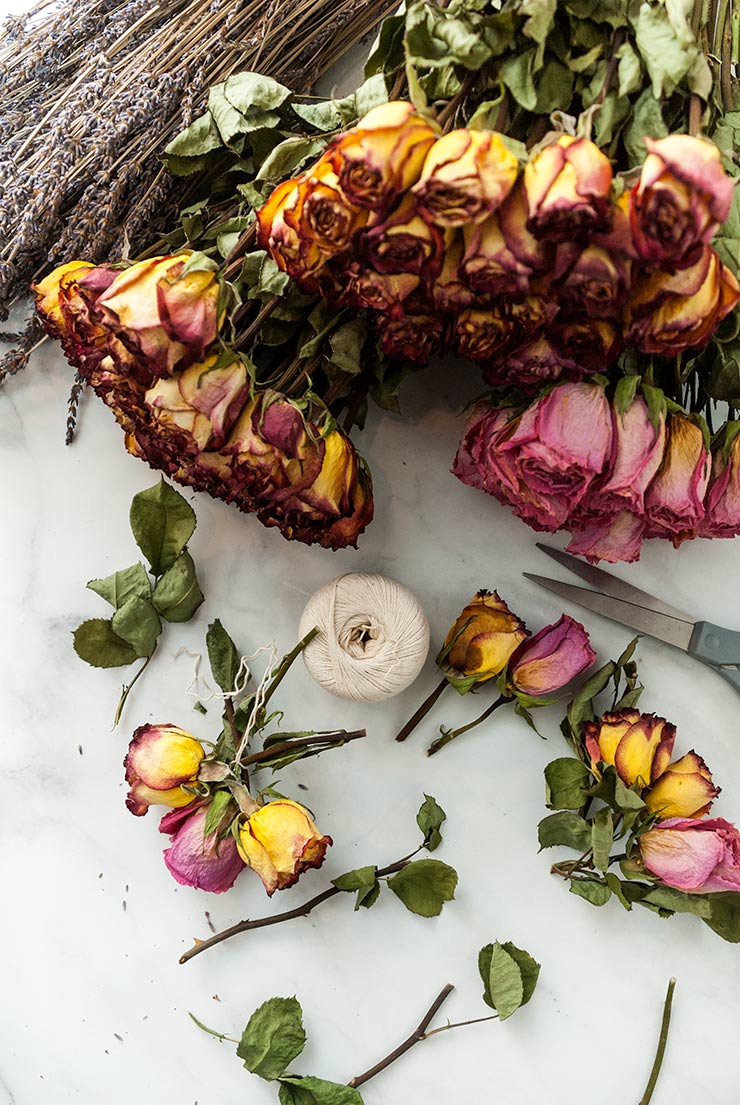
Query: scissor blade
{"points": [[613, 586], [665, 628]]}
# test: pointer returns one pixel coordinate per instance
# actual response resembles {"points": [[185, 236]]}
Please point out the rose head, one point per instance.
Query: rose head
{"points": [[481, 642], [321, 214], [674, 501], [550, 659], [65, 311], [610, 537], [722, 517], [356, 285], [160, 759], [450, 291], [567, 187], [501, 255], [280, 841], [404, 242], [528, 367], [479, 439], [591, 280], [670, 312], [411, 333], [194, 859], [484, 333], [680, 200], [638, 745], [382, 156], [684, 789], [698, 857], [466, 175], [636, 455], [299, 256], [585, 345]]}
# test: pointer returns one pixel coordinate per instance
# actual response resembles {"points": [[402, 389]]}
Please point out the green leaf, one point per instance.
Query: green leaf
{"points": [[162, 523], [625, 392], [97, 644], [137, 623], [567, 782], [594, 892], [602, 838], [517, 74], [177, 594], [347, 343], [222, 655], [273, 1037], [424, 886], [200, 138], [617, 888], [262, 276], [429, 819], [288, 156], [665, 897], [297, 1090], [499, 979], [564, 828], [724, 917], [120, 586], [580, 709], [647, 120], [666, 44], [364, 881], [216, 810], [541, 17]]}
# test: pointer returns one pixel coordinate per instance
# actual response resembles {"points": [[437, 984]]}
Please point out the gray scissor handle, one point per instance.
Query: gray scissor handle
{"points": [[716, 646]]}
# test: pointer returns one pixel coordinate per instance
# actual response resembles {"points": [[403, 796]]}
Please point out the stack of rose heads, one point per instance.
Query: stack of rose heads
{"points": [[546, 277], [147, 339]]}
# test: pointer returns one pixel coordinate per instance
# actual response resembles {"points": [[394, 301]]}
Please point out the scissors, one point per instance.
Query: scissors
{"points": [[713, 645]]}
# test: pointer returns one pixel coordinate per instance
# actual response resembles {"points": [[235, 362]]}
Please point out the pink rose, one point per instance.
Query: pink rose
{"points": [[478, 437], [528, 367], [611, 537], [196, 860], [501, 255], [696, 856], [674, 502], [722, 518], [550, 659], [593, 279]]}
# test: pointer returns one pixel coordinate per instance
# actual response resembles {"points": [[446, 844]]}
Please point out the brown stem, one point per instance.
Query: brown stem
{"points": [[288, 915], [339, 738], [254, 327], [612, 64], [452, 734], [447, 114], [419, 1034], [422, 712], [694, 114], [236, 255]]}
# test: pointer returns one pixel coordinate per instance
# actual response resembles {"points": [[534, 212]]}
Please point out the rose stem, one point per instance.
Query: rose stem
{"points": [[285, 663], [612, 64], [422, 712], [289, 915], [440, 742], [338, 738], [658, 1062], [255, 326], [127, 688], [416, 1037]]}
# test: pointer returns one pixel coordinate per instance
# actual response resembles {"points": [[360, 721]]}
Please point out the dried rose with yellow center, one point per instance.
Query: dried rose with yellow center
{"points": [[567, 187], [279, 841], [467, 174], [160, 759], [638, 745], [684, 789], [480, 643]]}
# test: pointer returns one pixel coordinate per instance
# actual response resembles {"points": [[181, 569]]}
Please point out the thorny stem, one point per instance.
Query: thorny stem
{"points": [[330, 739], [288, 915], [419, 1034], [452, 734], [422, 712], [285, 664], [127, 688], [662, 1040]]}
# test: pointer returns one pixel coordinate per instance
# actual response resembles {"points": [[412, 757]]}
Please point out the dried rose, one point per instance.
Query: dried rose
{"points": [[481, 642], [585, 345], [279, 841], [550, 659], [299, 256], [450, 291], [698, 857], [501, 255], [479, 439], [592, 280], [411, 333], [404, 242], [567, 187], [681, 198], [684, 789], [722, 506], [160, 759], [670, 312], [466, 175], [638, 745], [482, 334], [528, 367], [321, 213], [610, 537], [355, 285], [382, 155], [636, 454], [65, 310], [674, 501], [194, 859]]}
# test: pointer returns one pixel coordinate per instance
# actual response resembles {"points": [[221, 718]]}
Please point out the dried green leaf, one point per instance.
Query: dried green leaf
{"points": [[602, 838], [223, 656], [429, 819], [297, 1090], [288, 156], [137, 623], [273, 1037], [567, 782], [162, 523], [96, 643], [120, 586], [564, 828], [177, 594], [594, 892], [424, 886]]}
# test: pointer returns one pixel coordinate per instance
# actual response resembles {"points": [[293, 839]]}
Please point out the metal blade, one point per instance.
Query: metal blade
{"points": [[665, 628], [613, 586]]}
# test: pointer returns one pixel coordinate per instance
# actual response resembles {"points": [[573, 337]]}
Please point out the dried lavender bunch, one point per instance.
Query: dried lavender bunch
{"points": [[91, 92]]}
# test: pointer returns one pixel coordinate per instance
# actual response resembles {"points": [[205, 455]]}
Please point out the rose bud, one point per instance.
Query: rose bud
{"points": [[466, 175], [160, 759], [585, 345], [449, 292], [611, 537], [167, 318], [722, 517], [404, 242], [382, 156], [299, 256], [410, 333], [528, 367], [670, 312], [685, 789], [567, 187], [674, 501], [194, 859], [698, 857], [681, 199], [638, 745], [550, 659], [280, 841], [481, 642], [483, 334], [321, 214], [66, 312], [501, 255], [591, 280]]}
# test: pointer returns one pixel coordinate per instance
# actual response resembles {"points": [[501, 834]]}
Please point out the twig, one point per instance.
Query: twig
{"points": [[422, 712], [338, 738], [127, 688], [452, 734], [662, 1040], [72, 406], [288, 915]]}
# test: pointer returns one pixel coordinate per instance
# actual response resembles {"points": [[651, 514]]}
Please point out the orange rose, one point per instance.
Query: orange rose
{"points": [[481, 642], [466, 175], [405, 242], [567, 186]]}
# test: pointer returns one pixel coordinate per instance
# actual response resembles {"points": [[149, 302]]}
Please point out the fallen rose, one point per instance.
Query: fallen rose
{"points": [[160, 760], [194, 859], [546, 662], [481, 642], [279, 842], [638, 745], [698, 857]]}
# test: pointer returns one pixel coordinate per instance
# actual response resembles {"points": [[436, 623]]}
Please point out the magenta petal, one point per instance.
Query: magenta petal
{"points": [[204, 863]]}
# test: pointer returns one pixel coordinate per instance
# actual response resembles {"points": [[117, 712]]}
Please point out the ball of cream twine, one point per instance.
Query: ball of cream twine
{"points": [[373, 637]]}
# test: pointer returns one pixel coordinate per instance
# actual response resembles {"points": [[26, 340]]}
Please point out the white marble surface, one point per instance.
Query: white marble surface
{"points": [[94, 1007]]}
